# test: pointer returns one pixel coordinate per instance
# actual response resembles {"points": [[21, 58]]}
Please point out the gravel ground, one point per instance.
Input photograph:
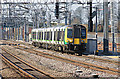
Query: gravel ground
{"points": [[103, 57], [87, 60], [57, 68], [6, 71], [61, 68]]}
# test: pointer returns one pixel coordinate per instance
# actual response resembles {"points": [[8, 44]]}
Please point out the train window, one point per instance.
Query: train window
{"points": [[77, 33], [35, 35], [42, 36], [32, 35], [54, 34], [51, 35], [69, 33], [59, 35], [47, 35], [83, 33], [63, 35], [39, 33]]}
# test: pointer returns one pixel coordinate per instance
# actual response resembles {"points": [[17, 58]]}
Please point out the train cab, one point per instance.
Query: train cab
{"points": [[75, 37]]}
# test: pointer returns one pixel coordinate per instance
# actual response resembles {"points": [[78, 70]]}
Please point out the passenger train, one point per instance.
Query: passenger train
{"points": [[62, 38]]}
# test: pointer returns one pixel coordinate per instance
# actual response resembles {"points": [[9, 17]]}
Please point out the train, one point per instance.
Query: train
{"points": [[62, 38]]}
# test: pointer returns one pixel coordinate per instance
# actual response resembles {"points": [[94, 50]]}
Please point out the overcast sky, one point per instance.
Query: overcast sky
{"points": [[73, 7], [54, 0]]}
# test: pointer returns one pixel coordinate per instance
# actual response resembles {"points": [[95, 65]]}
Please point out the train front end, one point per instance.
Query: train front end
{"points": [[76, 38]]}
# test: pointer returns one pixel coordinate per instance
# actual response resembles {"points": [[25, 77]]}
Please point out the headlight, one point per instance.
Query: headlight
{"points": [[82, 41], [70, 40]]}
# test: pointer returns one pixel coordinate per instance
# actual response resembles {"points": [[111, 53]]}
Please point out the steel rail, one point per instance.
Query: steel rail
{"points": [[111, 70], [74, 62], [100, 59], [41, 71], [103, 60], [17, 67], [17, 71]]}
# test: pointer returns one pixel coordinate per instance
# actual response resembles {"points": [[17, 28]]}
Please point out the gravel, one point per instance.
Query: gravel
{"points": [[58, 68], [87, 60], [6, 71], [62, 69]]}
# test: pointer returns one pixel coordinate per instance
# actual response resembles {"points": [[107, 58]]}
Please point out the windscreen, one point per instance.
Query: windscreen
{"points": [[83, 33], [69, 33], [77, 33]]}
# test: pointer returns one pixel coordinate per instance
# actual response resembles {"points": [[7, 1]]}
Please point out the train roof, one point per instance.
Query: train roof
{"points": [[33, 30], [56, 28], [50, 28]]}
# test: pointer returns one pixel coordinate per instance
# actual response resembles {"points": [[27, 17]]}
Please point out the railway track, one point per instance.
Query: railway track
{"points": [[103, 60], [70, 61], [27, 69], [83, 56], [74, 62], [21, 75]]}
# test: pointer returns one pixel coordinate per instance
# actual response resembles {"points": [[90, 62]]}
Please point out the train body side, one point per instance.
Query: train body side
{"points": [[60, 38]]}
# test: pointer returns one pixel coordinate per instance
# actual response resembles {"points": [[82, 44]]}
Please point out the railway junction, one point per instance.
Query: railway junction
{"points": [[59, 39]]}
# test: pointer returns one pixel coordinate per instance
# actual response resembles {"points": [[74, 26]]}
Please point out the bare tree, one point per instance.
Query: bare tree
{"points": [[80, 15]]}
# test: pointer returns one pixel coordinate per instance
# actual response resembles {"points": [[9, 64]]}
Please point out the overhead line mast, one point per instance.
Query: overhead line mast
{"points": [[90, 21], [106, 34]]}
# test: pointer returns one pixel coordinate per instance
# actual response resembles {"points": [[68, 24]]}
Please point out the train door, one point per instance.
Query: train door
{"points": [[76, 34]]}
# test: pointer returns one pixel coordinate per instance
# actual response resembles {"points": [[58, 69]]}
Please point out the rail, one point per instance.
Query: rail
{"points": [[23, 70], [74, 62]]}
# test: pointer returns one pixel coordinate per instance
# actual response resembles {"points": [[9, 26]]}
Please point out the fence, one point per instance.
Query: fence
{"points": [[117, 47]]}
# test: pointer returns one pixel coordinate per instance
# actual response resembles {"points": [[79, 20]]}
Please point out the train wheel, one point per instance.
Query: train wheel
{"points": [[56, 48], [64, 49], [61, 48], [79, 53], [46, 46]]}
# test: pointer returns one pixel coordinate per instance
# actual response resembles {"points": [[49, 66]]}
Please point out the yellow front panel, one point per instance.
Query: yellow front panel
{"points": [[69, 40], [76, 41]]}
